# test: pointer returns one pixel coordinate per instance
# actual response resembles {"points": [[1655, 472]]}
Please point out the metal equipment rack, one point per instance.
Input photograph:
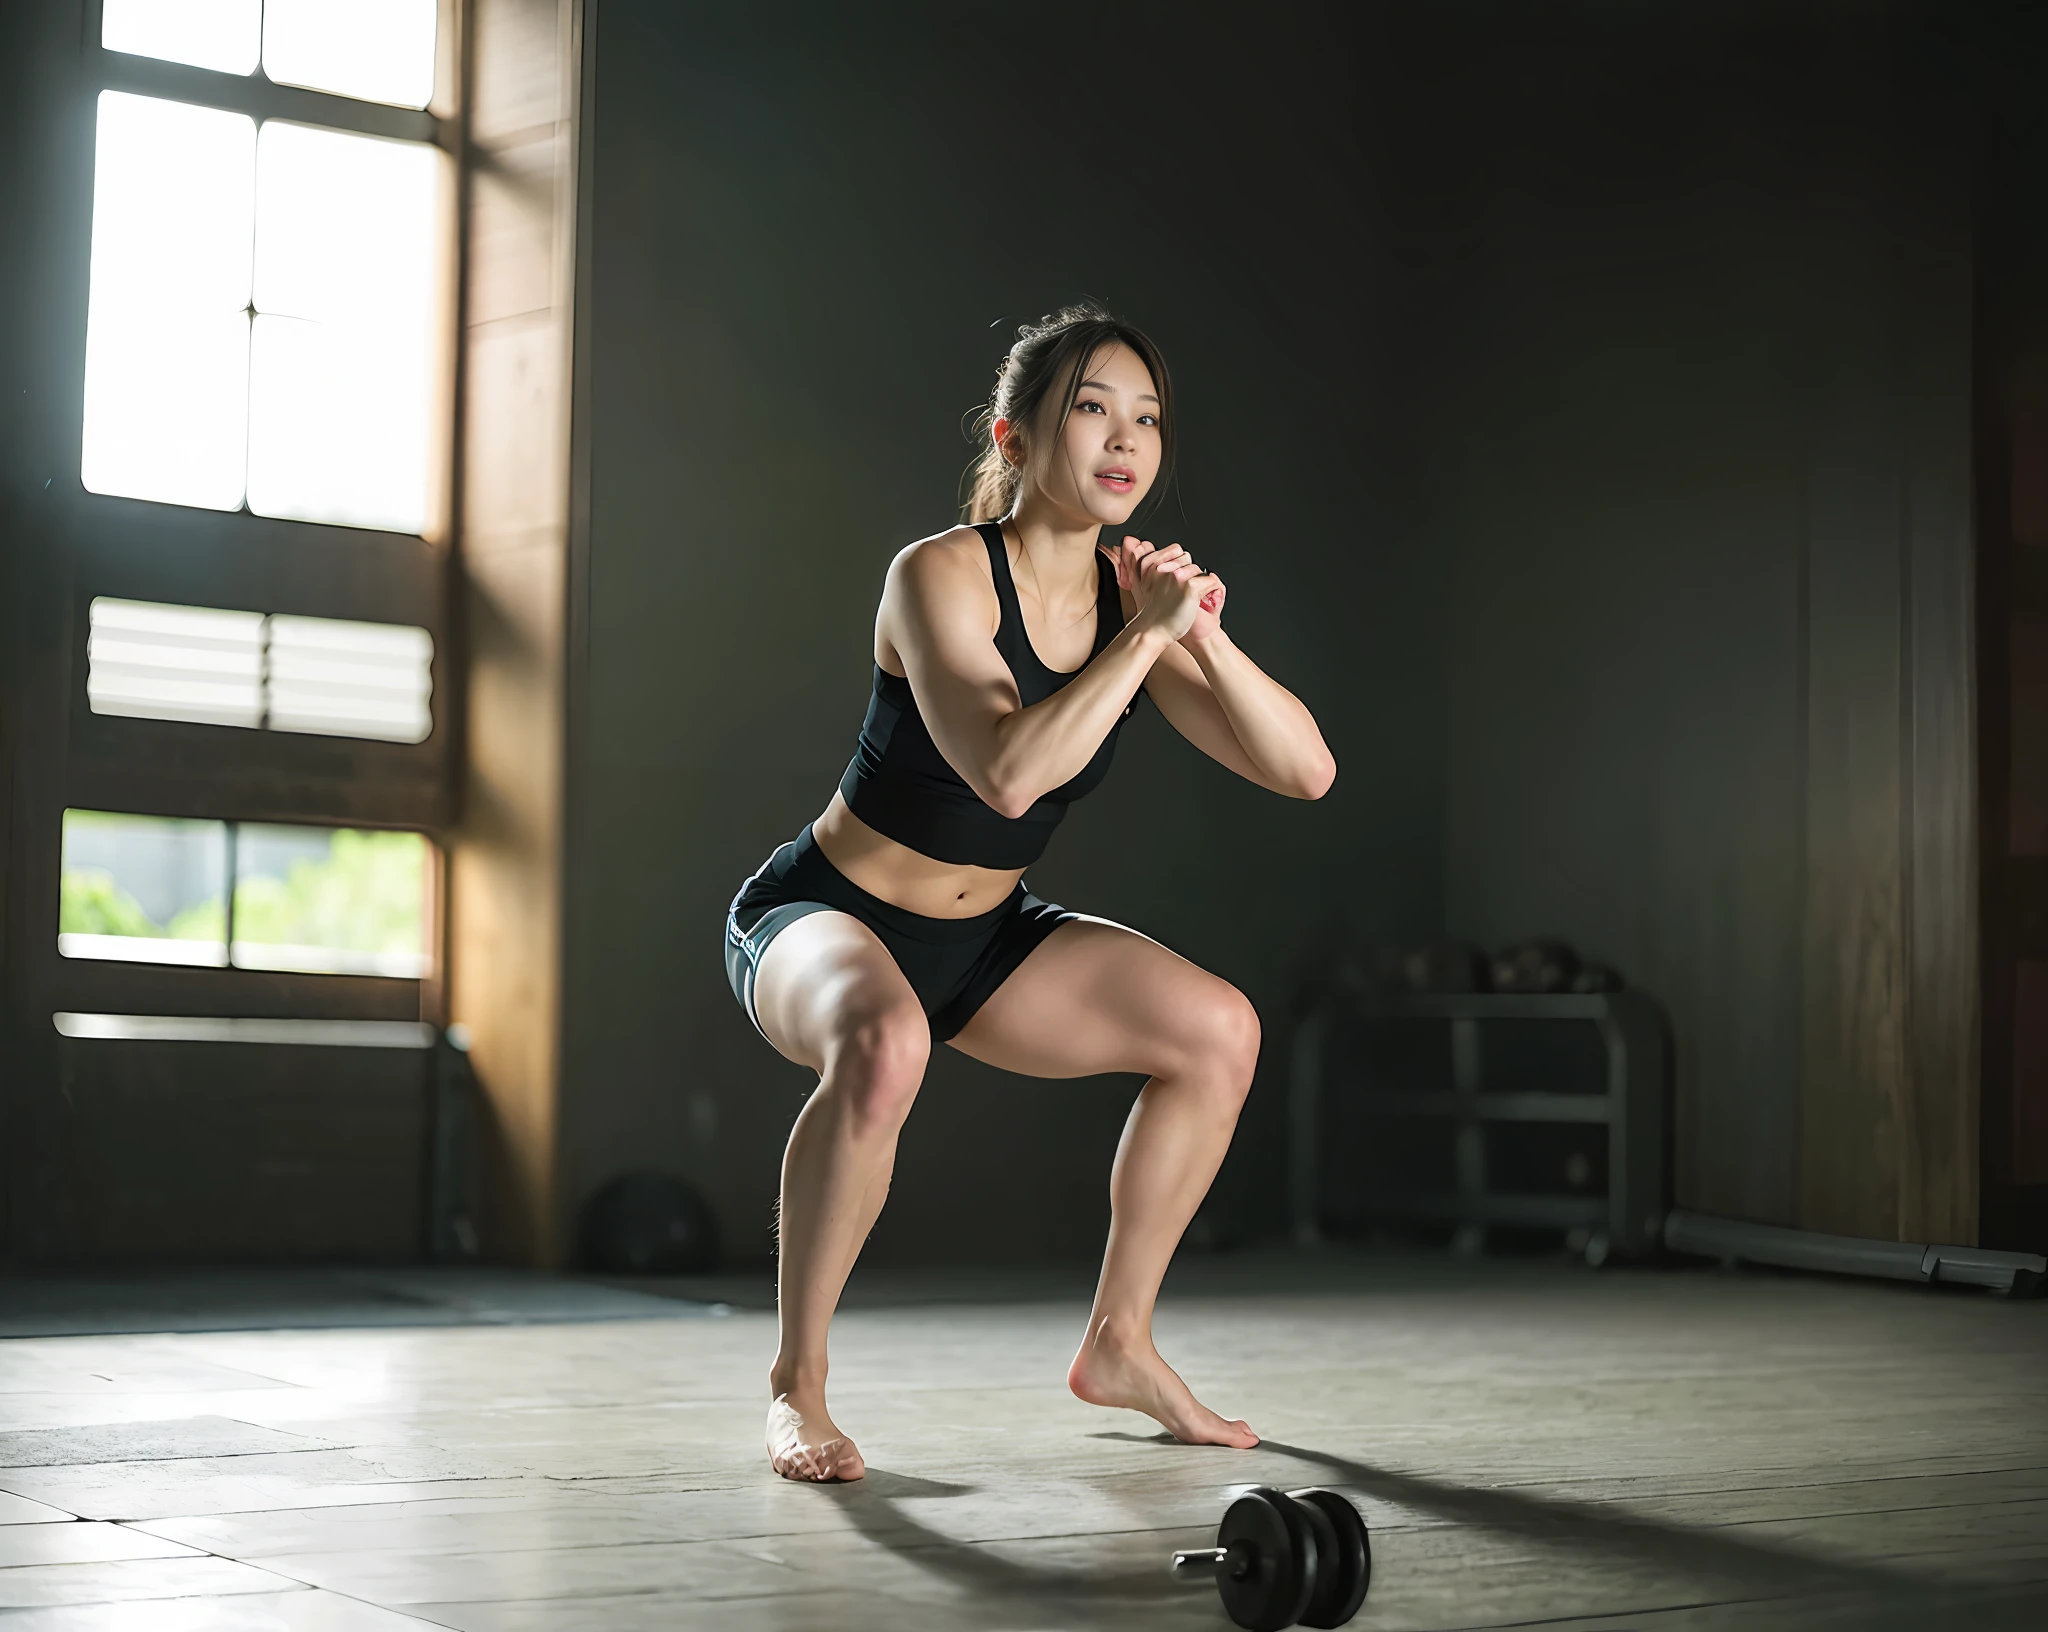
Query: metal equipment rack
{"points": [[1626, 1218]]}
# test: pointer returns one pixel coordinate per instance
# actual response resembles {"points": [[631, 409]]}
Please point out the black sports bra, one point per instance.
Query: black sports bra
{"points": [[900, 784]]}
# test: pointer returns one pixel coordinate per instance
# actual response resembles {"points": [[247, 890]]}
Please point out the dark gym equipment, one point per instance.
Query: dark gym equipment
{"points": [[1735, 1241], [648, 1224], [1535, 966], [1447, 966], [1285, 1558], [1455, 1126], [1596, 977]]}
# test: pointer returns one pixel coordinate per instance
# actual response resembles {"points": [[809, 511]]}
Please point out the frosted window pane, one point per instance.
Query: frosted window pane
{"points": [[330, 901], [222, 34], [350, 679], [378, 50], [143, 889], [167, 331], [329, 676], [157, 662], [347, 273]]}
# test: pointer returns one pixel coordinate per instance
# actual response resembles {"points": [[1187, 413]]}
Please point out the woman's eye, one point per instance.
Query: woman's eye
{"points": [[1089, 407], [1148, 419]]}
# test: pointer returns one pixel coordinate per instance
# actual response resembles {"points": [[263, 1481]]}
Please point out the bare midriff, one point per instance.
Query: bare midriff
{"points": [[904, 877]]}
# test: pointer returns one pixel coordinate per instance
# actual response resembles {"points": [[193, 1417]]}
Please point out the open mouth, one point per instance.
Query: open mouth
{"points": [[1117, 479]]}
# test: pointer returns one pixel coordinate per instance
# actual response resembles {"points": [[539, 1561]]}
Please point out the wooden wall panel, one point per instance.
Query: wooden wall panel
{"points": [[2012, 590], [1938, 1132], [2030, 448], [1889, 1139], [513, 524], [2029, 749], [1854, 1045], [2030, 1075]]}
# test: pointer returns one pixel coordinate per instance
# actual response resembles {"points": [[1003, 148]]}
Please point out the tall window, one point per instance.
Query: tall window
{"points": [[266, 331], [264, 326]]}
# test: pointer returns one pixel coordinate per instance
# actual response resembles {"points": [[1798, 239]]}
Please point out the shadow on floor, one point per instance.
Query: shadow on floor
{"points": [[1738, 1570]]}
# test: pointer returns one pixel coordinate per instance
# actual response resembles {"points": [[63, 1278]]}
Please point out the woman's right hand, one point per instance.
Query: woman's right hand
{"points": [[1166, 584]]}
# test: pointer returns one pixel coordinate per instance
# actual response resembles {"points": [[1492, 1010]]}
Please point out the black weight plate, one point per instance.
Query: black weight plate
{"points": [[1271, 1536], [1347, 1571], [1330, 1582]]}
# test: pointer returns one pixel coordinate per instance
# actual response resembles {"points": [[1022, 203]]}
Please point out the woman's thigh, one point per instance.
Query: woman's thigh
{"points": [[1095, 996], [826, 979]]}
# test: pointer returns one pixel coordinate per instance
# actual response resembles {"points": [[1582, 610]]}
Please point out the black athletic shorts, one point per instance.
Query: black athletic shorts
{"points": [[953, 965]]}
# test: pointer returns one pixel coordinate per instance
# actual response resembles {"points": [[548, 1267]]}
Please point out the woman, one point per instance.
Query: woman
{"points": [[1007, 654]]}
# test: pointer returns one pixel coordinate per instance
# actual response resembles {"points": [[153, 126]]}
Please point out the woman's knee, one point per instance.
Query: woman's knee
{"points": [[1227, 1037], [878, 1063]]}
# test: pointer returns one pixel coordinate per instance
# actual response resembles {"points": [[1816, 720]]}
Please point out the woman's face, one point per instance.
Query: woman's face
{"points": [[1104, 459]]}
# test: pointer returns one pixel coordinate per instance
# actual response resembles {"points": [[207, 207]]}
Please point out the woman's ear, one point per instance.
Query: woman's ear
{"points": [[999, 433]]}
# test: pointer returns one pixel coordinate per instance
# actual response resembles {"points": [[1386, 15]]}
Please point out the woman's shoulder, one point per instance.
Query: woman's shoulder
{"points": [[941, 579], [943, 563]]}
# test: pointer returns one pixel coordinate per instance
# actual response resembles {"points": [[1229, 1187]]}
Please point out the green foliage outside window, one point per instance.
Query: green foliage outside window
{"points": [[364, 895], [91, 903]]}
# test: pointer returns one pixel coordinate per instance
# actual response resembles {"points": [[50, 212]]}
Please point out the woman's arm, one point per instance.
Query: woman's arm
{"points": [[1227, 706], [1238, 715], [935, 614]]}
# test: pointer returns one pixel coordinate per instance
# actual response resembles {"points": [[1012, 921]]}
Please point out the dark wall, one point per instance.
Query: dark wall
{"points": [[1577, 399], [1694, 405], [813, 235]]}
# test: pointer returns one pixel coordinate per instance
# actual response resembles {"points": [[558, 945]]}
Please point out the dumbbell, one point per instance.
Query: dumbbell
{"points": [[1283, 1558]]}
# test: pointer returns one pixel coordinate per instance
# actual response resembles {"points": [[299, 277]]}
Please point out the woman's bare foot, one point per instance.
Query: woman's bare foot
{"points": [[803, 1443], [1110, 1371]]}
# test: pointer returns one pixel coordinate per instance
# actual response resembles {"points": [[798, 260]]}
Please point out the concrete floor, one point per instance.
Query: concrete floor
{"points": [[1530, 1444]]}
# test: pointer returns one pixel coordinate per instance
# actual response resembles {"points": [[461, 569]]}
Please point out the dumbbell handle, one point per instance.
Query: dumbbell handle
{"points": [[1235, 1560]]}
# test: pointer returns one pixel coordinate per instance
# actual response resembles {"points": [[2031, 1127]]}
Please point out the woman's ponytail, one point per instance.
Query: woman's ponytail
{"points": [[992, 480]]}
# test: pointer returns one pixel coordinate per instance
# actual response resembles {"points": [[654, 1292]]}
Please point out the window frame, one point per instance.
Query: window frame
{"points": [[139, 549], [262, 99]]}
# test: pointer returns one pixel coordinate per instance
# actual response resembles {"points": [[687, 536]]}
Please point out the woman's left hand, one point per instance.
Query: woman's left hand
{"points": [[1208, 619]]}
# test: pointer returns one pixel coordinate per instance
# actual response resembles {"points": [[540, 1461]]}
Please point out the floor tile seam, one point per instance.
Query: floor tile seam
{"points": [[166, 1461], [1648, 1609], [75, 1518], [237, 1512], [324, 1507], [371, 1603], [2019, 1564], [1623, 1498], [289, 1586], [1872, 1512], [1860, 1479], [689, 1593], [1935, 1472], [952, 1543], [791, 1538], [475, 1323], [532, 1551], [286, 1583], [419, 1608]]}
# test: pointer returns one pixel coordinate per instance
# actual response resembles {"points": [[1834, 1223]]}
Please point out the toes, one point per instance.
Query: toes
{"points": [[797, 1462], [836, 1459]]}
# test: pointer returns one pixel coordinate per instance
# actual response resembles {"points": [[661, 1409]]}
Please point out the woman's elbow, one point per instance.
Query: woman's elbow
{"points": [[1318, 778], [1006, 797]]}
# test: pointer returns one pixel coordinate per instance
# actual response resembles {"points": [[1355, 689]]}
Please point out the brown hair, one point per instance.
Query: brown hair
{"points": [[1056, 350]]}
